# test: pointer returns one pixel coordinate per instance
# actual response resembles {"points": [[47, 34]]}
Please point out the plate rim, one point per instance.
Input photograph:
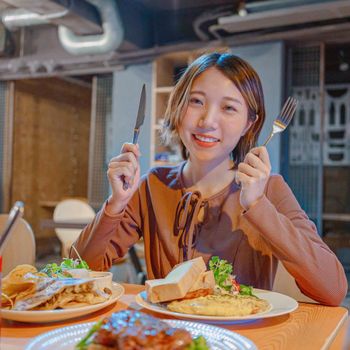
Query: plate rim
{"points": [[39, 316], [140, 300], [33, 343]]}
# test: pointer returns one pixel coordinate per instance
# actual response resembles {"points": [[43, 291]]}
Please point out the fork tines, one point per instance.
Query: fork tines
{"points": [[288, 110]]}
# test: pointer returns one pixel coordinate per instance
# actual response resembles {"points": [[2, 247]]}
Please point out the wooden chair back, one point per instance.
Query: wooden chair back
{"points": [[71, 210], [19, 247]]}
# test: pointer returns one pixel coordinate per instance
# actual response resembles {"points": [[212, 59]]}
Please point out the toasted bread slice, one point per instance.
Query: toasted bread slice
{"points": [[177, 283]]}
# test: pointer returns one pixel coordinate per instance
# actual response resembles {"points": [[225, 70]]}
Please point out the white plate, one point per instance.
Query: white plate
{"points": [[61, 314], [280, 304], [218, 338]]}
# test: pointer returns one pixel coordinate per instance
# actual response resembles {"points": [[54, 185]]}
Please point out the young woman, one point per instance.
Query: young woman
{"points": [[221, 200]]}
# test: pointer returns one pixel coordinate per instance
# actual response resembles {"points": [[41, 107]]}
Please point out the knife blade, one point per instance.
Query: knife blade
{"points": [[140, 114], [139, 121]]}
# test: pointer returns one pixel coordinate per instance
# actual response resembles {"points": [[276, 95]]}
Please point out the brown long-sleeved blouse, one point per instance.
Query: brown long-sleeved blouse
{"points": [[166, 216]]}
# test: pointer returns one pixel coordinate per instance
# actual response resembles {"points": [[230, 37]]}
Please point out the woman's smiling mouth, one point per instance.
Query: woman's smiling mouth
{"points": [[205, 140]]}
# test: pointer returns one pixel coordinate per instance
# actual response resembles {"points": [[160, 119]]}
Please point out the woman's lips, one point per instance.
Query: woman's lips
{"points": [[205, 140]]}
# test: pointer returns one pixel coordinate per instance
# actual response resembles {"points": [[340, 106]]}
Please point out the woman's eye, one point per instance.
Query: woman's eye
{"points": [[229, 108], [195, 101]]}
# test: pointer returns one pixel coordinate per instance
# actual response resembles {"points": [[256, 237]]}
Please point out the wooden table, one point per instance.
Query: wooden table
{"points": [[309, 327]]}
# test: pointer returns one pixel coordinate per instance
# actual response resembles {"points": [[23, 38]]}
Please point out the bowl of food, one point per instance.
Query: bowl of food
{"points": [[102, 279], [70, 268]]}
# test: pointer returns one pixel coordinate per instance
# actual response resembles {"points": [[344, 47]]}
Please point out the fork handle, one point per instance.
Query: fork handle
{"points": [[268, 139]]}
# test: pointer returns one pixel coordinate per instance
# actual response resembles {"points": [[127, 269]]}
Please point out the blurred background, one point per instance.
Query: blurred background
{"points": [[71, 73]]}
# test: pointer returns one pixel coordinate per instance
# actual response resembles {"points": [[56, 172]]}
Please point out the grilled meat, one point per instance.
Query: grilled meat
{"points": [[132, 330]]}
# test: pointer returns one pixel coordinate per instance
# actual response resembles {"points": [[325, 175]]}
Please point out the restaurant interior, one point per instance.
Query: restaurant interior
{"points": [[71, 74]]}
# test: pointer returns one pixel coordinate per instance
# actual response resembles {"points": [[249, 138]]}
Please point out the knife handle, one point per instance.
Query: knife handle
{"points": [[136, 136], [126, 185]]}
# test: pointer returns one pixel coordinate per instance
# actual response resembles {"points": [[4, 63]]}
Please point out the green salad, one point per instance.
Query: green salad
{"points": [[60, 271], [224, 278]]}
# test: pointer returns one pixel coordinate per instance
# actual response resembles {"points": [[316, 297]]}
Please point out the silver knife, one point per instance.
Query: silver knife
{"points": [[139, 121]]}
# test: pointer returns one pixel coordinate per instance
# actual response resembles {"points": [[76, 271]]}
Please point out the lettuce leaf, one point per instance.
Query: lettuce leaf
{"points": [[59, 271], [198, 343], [222, 271]]}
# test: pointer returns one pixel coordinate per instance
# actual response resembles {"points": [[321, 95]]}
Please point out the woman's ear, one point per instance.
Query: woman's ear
{"points": [[250, 122]]}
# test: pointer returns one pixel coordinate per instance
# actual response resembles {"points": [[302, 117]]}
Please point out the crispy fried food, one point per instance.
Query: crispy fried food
{"points": [[15, 283], [26, 289], [60, 293], [221, 305]]}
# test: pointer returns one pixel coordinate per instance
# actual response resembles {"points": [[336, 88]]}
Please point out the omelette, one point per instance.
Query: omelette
{"points": [[221, 305]]}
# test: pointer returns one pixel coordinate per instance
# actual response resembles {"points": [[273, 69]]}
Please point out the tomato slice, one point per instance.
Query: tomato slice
{"points": [[235, 285]]}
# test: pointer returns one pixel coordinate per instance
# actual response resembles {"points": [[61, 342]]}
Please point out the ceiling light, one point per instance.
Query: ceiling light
{"points": [[242, 10]]}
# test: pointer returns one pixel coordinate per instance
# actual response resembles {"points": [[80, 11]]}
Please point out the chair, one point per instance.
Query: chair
{"points": [[73, 211], [19, 247], [285, 283]]}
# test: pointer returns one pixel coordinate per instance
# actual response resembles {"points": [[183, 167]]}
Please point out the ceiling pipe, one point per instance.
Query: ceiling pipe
{"points": [[16, 18], [108, 41]]}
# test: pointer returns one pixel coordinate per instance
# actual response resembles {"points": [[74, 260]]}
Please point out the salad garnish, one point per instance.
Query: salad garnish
{"points": [[83, 344], [224, 278], [60, 271]]}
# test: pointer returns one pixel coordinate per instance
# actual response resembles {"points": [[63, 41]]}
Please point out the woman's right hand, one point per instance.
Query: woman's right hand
{"points": [[123, 168]]}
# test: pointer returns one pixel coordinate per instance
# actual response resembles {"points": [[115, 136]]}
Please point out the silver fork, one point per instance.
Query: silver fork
{"points": [[284, 118]]}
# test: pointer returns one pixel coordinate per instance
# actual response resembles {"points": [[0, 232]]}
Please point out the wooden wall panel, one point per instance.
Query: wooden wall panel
{"points": [[51, 145]]}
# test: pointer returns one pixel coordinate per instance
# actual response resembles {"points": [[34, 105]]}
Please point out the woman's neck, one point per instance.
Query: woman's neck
{"points": [[209, 179]]}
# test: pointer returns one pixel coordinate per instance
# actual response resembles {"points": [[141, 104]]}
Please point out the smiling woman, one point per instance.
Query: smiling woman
{"points": [[215, 114]]}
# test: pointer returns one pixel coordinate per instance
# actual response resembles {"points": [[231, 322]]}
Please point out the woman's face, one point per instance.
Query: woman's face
{"points": [[215, 118]]}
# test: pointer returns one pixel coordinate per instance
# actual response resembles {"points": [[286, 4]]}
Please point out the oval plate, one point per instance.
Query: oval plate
{"points": [[280, 304], [37, 316], [218, 338]]}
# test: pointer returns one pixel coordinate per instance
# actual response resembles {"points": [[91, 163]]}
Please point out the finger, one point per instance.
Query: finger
{"points": [[263, 154], [243, 179], [124, 157], [122, 170], [121, 166], [122, 173], [247, 169], [253, 160], [130, 147]]}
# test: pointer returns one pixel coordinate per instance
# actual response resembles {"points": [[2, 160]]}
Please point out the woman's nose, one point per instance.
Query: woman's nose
{"points": [[208, 119]]}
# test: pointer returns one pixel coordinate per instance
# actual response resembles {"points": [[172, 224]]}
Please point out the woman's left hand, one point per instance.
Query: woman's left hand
{"points": [[253, 174]]}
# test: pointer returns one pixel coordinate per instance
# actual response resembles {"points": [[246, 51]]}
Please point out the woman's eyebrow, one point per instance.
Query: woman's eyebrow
{"points": [[197, 92], [233, 99], [229, 98]]}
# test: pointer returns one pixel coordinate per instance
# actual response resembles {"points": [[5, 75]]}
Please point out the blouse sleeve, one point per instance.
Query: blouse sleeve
{"points": [[295, 242], [108, 238]]}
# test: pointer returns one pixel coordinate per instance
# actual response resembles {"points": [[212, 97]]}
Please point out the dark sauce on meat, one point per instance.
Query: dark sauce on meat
{"points": [[132, 330]]}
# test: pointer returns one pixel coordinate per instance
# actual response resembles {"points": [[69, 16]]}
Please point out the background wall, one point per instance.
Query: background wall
{"points": [[50, 149], [127, 85]]}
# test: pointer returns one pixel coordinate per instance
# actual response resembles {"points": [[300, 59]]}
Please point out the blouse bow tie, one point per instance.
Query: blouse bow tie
{"points": [[185, 221]]}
